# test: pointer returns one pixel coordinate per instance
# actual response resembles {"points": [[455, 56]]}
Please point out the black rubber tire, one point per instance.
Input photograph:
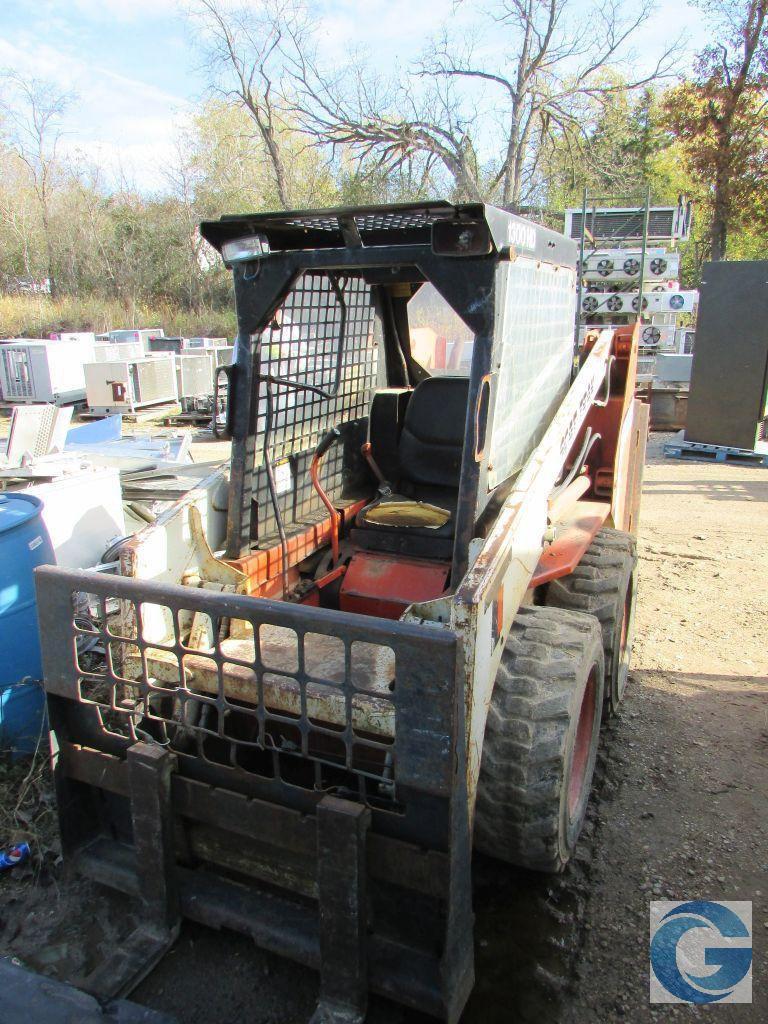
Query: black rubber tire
{"points": [[526, 813], [604, 584]]}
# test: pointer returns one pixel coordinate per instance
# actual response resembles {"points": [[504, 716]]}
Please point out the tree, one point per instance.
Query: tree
{"points": [[33, 116], [537, 70], [244, 56], [722, 117]]}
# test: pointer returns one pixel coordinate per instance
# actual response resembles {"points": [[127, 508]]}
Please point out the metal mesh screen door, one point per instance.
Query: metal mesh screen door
{"points": [[323, 331]]}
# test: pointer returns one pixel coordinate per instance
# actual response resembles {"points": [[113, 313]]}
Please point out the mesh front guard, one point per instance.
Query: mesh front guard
{"points": [[308, 701]]}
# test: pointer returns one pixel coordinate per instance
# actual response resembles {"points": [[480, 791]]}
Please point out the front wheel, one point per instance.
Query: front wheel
{"points": [[541, 739]]}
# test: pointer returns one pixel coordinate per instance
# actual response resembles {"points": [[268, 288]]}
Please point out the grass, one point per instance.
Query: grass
{"points": [[37, 316]]}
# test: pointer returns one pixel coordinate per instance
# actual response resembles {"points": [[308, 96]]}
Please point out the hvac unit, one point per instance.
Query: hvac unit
{"points": [[625, 223], [128, 385], [117, 350], [179, 345], [194, 375], [43, 371], [646, 367], [174, 345], [222, 355], [684, 340], [606, 265], [658, 337], [672, 368], [629, 302], [728, 403], [143, 335], [207, 342], [83, 337]]}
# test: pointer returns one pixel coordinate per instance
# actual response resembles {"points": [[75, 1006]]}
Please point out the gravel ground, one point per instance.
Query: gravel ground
{"points": [[682, 811]]}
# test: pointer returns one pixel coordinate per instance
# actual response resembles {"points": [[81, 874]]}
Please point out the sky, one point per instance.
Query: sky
{"points": [[135, 68]]}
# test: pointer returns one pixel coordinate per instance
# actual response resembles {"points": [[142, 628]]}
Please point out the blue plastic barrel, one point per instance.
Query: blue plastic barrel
{"points": [[24, 544]]}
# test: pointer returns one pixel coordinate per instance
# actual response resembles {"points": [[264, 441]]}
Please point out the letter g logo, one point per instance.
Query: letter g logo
{"points": [[733, 961]]}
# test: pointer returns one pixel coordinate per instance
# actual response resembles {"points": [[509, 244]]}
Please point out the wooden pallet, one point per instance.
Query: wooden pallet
{"points": [[146, 414], [185, 419], [697, 451]]}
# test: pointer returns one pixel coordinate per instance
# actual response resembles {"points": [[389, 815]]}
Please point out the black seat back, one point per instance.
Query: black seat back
{"points": [[432, 439], [428, 467]]}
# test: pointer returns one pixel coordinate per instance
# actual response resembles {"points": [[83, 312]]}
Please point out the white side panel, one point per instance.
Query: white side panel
{"points": [[83, 514]]}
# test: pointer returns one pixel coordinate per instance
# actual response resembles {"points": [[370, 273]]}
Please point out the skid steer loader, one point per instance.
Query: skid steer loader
{"points": [[390, 634]]}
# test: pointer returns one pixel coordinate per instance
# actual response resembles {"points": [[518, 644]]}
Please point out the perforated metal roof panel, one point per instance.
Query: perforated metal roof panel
{"points": [[397, 224]]}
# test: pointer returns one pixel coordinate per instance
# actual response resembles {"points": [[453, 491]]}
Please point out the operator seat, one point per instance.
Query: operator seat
{"points": [[427, 464]]}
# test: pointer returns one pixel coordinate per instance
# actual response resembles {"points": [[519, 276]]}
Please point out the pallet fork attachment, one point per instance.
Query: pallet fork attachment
{"points": [[149, 772]]}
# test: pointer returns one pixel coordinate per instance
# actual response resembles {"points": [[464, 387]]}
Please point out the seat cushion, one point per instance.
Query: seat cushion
{"points": [[395, 510]]}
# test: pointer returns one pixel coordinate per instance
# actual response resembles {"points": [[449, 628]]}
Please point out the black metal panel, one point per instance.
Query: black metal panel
{"points": [[729, 377], [399, 224], [396, 224]]}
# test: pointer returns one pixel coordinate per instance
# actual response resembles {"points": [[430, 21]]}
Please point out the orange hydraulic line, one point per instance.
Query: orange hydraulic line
{"points": [[335, 517]]}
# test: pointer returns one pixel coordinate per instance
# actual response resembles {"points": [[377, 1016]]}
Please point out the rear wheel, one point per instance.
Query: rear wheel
{"points": [[604, 584], [541, 739]]}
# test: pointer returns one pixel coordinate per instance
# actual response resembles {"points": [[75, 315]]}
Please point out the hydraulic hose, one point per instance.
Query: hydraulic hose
{"points": [[325, 445]]}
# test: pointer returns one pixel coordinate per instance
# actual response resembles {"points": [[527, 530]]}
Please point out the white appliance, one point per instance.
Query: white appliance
{"points": [[83, 513], [128, 385], [606, 265], [36, 430], [179, 345], [142, 334], [625, 223], [207, 342], [43, 371], [117, 350], [83, 337], [629, 302], [658, 337], [194, 375], [222, 355]]}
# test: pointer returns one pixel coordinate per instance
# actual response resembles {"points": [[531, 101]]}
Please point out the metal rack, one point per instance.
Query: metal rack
{"points": [[623, 247]]}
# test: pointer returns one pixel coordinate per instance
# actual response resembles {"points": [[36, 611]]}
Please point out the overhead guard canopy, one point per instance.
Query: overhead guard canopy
{"points": [[489, 230]]}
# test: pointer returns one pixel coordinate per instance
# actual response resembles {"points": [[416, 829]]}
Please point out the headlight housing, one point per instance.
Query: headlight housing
{"points": [[248, 248]]}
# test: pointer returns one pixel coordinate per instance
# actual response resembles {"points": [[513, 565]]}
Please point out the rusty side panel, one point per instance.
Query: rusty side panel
{"points": [[385, 585], [264, 567]]}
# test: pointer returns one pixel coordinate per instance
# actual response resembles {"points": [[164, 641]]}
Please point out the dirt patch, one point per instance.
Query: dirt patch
{"points": [[50, 921], [683, 811]]}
